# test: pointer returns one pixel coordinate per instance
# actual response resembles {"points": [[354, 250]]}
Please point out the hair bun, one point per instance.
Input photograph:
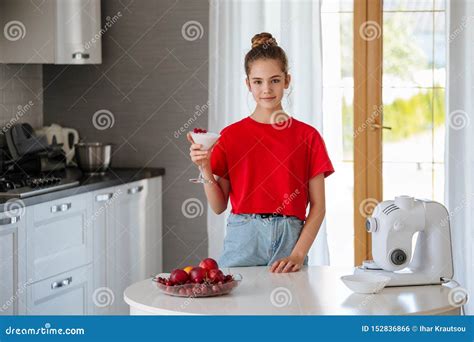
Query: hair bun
{"points": [[263, 39]]}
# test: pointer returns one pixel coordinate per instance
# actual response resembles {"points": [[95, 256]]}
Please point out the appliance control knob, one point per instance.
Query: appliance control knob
{"points": [[398, 257], [371, 224]]}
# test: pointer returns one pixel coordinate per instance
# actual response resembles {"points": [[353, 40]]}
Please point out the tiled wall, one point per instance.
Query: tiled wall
{"points": [[152, 81], [21, 98]]}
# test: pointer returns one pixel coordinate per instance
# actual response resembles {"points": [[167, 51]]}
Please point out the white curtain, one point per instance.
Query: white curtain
{"points": [[296, 25], [459, 156]]}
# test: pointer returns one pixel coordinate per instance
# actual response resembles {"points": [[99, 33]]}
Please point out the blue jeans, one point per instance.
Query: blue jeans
{"points": [[254, 241]]}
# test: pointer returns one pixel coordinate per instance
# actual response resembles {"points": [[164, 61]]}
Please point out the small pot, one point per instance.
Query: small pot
{"points": [[93, 158]]}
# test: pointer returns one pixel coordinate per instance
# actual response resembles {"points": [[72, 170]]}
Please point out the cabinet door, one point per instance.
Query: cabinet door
{"points": [[67, 293], [59, 236], [130, 230], [78, 32], [104, 250], [154, 230], [12, 263], [28, 31]]}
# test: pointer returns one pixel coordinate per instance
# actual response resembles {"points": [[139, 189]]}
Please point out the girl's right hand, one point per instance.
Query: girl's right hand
{"points": [[198, 156]]}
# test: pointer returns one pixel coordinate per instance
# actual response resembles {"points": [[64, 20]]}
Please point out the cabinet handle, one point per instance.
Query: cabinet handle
{"points": [[103, 197], [135, 190], [9, 220], [80, 55], [62, 283], [60, 207]]}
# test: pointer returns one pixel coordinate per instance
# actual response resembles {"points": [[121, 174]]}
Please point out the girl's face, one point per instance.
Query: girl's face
{"points": [[267, 83]]}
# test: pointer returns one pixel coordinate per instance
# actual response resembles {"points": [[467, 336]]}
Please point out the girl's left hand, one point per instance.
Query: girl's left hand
{"points": [[288, 264]]}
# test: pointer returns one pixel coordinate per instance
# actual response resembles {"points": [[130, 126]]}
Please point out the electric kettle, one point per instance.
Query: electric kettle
{"points": [[55, 134]]}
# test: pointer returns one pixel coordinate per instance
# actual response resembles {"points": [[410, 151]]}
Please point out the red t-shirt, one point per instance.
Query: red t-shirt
{"points": [[269, 166]]}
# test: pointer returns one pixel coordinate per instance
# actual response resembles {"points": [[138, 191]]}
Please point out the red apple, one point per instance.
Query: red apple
{"points": [[208, 264], [215, 275], [179, 276], [197, 274]]}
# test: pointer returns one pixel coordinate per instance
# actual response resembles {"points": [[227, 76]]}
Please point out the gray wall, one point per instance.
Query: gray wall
{"points": [[21, 97], [151, 80]]}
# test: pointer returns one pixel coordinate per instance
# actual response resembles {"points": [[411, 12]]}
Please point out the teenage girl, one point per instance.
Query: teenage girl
{"points": [[271, 166]]}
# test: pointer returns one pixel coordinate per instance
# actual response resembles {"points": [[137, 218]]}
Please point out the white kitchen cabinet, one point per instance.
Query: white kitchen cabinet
{"points": [[51, 31], [103, 218], [154, 231], [68, 293], [59, 236], [130, 233], [12, 263], [76, 255], [127, 240]]}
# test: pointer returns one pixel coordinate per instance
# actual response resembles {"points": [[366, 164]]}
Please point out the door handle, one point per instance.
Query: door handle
{"points": [[135, 190], [60, 207], [80, 55], [103, 197], [377, 126], [61, 283], [9, 220]]}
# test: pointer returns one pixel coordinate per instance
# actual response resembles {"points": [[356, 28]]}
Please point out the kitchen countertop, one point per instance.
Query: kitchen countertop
{"points": [[315, 290], [113, 177]]}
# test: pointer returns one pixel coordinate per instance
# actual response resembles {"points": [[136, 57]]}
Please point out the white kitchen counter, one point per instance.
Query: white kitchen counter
{"points": [[315, 290]]}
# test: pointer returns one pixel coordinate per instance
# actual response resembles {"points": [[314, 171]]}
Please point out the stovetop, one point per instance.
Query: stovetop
{"points": [[21, 185]]}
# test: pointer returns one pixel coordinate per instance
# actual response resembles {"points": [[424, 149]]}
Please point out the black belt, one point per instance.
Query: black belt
{"points": [[267, 215]]}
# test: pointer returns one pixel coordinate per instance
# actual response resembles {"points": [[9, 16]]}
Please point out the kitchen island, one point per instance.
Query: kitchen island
{"points": [[315, 290]]}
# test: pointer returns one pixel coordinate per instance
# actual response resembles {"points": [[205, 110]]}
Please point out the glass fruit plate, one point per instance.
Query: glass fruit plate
{"points": [[197, 290]]}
